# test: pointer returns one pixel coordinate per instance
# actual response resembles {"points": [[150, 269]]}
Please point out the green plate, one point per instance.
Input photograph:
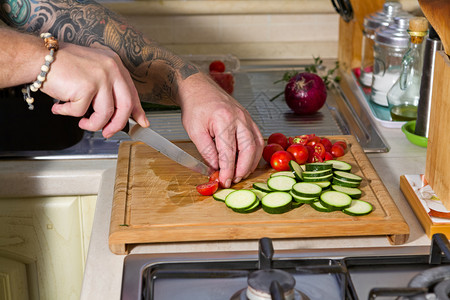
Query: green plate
{"points": [[408, 130]]}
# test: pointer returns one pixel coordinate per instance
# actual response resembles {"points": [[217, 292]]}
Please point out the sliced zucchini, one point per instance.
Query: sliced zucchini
{"points": [[240, 200], [347, 176], [318, 179], [306, 189], [335, 200], [276, 202], [358, 208], [300, 199], [281, 183], [262, 186], [340, 165], [259, 194], [296, 169], [222, 194], [283, 173], [354, 193], [319, 166], [317, 173], [319, 207], [323, 184], [295, 204], [253, 208], [346, 183]]}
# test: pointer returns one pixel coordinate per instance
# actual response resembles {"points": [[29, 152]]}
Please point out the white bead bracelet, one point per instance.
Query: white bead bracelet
{"points": [[51, 44]]}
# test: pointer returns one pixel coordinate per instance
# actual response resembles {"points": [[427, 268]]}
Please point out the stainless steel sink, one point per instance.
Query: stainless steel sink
{"points": [[254, 87]]}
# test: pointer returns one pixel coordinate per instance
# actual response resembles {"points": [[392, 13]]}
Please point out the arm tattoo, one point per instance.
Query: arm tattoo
{"points": [[154, 69]]}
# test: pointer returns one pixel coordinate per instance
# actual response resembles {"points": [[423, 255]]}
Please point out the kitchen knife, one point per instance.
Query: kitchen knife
{"points": [[166, 147]]}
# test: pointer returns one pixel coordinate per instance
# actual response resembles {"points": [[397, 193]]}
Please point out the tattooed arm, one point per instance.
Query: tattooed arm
{"points": [[220, 127]]}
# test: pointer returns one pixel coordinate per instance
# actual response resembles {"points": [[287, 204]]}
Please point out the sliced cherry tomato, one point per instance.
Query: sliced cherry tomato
{"points": [[217, 66], [316, 157], [299, 152], [310, 152], [209, 188], [269, 150], [214, 176], [313, 141], [301, 139], [326, 143], [337, 150], [328, 156], [278, 138], [342, 143], [280, 160], [320, 149], [290, 141]]}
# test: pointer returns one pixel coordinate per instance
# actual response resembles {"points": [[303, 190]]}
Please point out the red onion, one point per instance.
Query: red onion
{"points": [[305, 93]]}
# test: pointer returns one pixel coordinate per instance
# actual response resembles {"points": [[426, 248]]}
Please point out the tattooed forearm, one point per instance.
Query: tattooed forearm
{"points": [[155, 71]]}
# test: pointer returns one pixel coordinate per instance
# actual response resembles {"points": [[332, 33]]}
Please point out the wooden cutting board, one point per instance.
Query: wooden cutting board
{"points": [[156, 201]]}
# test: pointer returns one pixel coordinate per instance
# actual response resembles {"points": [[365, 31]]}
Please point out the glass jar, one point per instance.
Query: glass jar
{"points": [[390, 46], [372, 22], [403, 97]]}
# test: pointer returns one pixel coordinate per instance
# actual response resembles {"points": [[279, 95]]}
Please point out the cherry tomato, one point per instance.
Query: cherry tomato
{"points": [[290, 141], [280, 160], [319, 149], [342, 143], [214, 176], [316, 158], [301, 139], [269, 150], [209, 188], [310, 152], [328, 156], [326, 143], [313, 141], [278, 138], [217, 66], [224, 80], [337, 150], [299, 152]]}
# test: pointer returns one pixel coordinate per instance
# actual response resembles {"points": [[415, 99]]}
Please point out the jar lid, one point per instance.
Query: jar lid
{"points": [[383, 17], [396, 34]]}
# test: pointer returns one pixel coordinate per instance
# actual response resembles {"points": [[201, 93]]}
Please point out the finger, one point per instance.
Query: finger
{"points": [[70, 108], [226, 148], [246, 151], [207, 148], [259, 141], [103, 106]]}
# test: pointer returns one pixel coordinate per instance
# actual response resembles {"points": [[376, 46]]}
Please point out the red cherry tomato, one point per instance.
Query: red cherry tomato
{"points": [[278, 138], [299, 152], [337, 150], [310, 152], [342, 143], [217, 66], [328, 156], [326, 143], [313, 141], [280, 160], [301, 139], [224, 80], [269, 150], [316, 157], [214, 176], [319, 149], [209, 188]]}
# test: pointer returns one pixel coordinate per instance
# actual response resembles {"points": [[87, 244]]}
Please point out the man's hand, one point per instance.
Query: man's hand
{"points": [[222, 130]]}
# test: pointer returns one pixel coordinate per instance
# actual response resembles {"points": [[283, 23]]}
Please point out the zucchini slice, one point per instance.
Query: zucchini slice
{"points": [[339, 165], [306, 189], [318, 179], [320, 173], [323, 184], [281, 183], [347, 176], [276, 202], [296, 169], [300, 199], [319, 166], [241, 200], [346, 183], [354, 193], [222, 194], [283, 173], [319, 207], [259, 194], [262, 186], [335, 200], [358, 208]]}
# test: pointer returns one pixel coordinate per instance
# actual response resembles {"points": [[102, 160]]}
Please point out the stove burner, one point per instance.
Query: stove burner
{"points": [[436, 279], [442, 290]]}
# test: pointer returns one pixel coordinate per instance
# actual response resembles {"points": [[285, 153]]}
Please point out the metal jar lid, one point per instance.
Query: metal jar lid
{"points": [[396, 34], [383, 17]]}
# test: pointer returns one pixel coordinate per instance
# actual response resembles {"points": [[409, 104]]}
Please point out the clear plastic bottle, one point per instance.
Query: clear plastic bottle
{"points": [[372, 22], [403, 97]]}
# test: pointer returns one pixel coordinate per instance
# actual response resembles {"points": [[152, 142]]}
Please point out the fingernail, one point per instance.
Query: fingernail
{"points": [[237, 179], [228, 183]]}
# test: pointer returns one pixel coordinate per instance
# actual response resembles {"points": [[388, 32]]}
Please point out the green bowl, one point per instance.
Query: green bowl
{"points": [[408, 129]]}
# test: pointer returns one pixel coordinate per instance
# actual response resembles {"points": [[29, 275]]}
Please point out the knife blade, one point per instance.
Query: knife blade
{"points": [[166, 147]]}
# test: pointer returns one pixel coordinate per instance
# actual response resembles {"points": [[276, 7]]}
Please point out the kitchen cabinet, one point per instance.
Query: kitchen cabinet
{"points": [[43, 246]]}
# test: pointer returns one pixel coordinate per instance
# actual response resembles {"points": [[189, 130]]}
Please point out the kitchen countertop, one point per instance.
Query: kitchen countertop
{"points": [[103, 272]]}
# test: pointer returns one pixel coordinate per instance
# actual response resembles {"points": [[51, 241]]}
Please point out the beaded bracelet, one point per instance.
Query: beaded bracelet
{"points": [[51, 44]]}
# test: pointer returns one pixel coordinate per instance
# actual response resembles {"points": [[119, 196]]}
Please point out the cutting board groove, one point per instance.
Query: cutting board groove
{"points": [[155, 201]]}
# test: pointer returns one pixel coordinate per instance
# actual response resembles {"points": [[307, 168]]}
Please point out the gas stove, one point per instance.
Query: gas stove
{"points": [[356, 273]]}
